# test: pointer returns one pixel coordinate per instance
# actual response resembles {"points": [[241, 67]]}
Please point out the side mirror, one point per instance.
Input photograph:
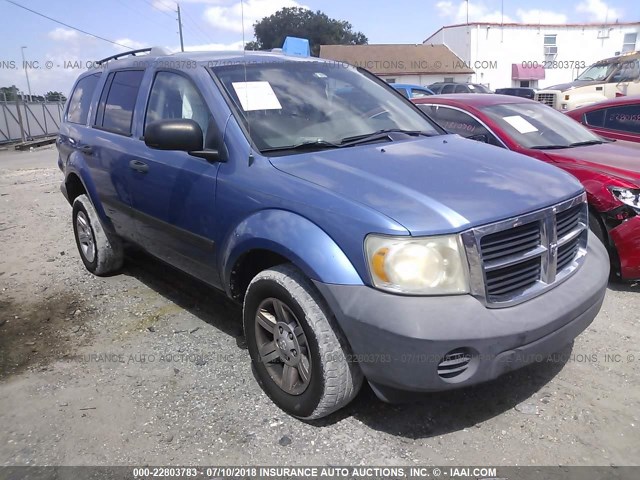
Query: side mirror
{"points": [[479, 138], [184, 135]]}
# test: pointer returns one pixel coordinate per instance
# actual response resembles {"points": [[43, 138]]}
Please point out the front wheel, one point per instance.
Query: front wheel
{"points": [[299, 355]]}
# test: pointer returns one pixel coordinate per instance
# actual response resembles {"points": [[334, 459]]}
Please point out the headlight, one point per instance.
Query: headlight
{"points": [[627, 196], [418, 265]]}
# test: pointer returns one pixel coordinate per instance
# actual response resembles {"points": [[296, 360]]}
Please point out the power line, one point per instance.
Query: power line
{"points": [[201, 33], [161, 10], [69, 26], [147, 18]]}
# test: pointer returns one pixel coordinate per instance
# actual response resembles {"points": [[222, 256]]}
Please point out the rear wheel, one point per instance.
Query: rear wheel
{"points": [[100, 251], [299, 355]]}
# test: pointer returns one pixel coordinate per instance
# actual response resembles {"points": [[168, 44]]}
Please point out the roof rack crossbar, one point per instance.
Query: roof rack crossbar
{"points": [[123, 54]]}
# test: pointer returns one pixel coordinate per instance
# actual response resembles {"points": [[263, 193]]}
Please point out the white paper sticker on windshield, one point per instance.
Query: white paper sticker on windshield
{"points": [[256, 96], [520, 124]]}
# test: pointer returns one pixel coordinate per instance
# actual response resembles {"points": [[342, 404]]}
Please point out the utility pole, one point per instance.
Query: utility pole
{"points": [[26, 73], [180, 28]]}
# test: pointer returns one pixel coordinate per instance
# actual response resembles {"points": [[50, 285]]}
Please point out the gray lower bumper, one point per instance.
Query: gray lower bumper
{"points": [[399, 341]]}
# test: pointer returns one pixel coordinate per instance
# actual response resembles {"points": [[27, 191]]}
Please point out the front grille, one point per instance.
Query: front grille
{"points": [[568, 220], [516, 277], [513, 260], [546, 98], [510, 242]]}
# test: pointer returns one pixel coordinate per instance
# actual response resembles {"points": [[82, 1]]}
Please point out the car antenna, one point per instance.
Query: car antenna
{"points": [[246, 90]]}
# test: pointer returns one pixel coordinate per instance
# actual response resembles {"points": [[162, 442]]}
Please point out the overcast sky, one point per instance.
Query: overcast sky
{"points": [[216, 24]]}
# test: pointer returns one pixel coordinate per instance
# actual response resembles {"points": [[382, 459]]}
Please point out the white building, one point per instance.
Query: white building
{"points": [[401, 63], [531, 55]]}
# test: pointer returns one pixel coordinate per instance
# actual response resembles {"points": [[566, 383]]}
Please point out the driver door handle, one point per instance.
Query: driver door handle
{"points": [[139, 166]]}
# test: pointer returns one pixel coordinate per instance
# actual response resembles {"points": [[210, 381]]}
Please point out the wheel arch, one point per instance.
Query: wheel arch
{"points": [[78, 182], [271, 237]]}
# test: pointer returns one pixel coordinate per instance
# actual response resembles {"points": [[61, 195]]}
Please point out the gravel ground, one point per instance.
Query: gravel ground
{"points": [[150, 367]]}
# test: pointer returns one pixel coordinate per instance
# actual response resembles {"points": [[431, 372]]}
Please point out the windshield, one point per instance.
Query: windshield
{"points": [[292, 103], [534, 125], [598, 72]]}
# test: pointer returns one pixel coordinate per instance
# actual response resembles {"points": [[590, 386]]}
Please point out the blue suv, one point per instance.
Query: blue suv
{"points": [[363, 241]]}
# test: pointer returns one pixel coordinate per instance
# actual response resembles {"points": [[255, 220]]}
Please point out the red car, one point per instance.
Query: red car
{"points": [[609, 170], [618, 118]]}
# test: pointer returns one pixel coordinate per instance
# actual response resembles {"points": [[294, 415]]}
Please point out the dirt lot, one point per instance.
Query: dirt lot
{"points": [[149, 367]]}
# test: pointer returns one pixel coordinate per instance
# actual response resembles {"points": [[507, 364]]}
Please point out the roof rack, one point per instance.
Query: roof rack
{"points": [[131, 52]]}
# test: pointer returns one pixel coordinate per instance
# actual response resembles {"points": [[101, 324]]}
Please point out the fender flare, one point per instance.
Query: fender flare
{"points": [[78, 167], [291, 236]]}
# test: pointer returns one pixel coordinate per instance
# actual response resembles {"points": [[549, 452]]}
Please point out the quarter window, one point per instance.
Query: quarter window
{"points": [[595, 118], [80, 100], [118, 100], [462, 123]]}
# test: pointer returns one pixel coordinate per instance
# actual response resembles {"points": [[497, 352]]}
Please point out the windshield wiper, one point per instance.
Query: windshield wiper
{"points": [[549, 147], [586, 142], [319, 144], [380, 134]]}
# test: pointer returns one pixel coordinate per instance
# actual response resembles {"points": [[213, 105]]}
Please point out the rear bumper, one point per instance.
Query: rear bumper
{"points": [[626, 239], [400, 342]]}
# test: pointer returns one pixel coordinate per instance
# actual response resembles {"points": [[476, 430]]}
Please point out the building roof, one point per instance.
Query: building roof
{"points": [[398, 59], [535, 25]]}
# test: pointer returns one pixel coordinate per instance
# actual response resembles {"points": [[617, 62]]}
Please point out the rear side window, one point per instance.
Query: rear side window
{"points": [[461, 89], [419, 93], [80, 100], [448, 88], [624, 119], [118, 100]]}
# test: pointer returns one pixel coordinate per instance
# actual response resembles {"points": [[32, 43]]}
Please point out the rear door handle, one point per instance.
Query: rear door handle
{"points": [[139, 166]]}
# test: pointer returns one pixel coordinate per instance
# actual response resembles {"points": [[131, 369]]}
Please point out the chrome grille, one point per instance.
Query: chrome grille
{"points": [[546, 98], [516, 259]]}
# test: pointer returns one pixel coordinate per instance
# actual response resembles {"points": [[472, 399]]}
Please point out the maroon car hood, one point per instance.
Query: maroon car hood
{"points": [[619, 158]]}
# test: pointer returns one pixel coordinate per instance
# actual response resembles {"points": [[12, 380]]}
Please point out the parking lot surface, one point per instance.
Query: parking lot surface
{"points": [[150, 367]]}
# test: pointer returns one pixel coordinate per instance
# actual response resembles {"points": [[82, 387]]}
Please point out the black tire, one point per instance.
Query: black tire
{"points": [[595, 225], [100, 251], [333, 381]]}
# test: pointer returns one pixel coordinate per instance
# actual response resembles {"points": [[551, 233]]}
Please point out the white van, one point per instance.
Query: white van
{"points": [[609, 78]]}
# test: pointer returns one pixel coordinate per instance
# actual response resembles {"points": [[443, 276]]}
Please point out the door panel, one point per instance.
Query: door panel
{"points": [[172, 192]]}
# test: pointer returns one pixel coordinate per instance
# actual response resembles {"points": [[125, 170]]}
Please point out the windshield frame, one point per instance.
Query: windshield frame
{"points": [[615, 66], [244, 123]]}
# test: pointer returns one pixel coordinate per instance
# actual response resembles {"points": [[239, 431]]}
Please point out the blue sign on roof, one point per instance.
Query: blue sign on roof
{"points": [[296, 46]]}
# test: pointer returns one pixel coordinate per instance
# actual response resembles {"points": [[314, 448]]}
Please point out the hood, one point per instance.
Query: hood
{"points": [[619, 158], [435, 185], [563, 87]]}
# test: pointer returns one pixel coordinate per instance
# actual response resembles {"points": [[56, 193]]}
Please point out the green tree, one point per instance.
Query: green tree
{"points": [[55, 97], [8, 93], [271, 31]]}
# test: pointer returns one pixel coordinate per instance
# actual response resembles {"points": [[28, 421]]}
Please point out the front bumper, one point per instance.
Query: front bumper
{"points": [[400, 341], [626, 239]]}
